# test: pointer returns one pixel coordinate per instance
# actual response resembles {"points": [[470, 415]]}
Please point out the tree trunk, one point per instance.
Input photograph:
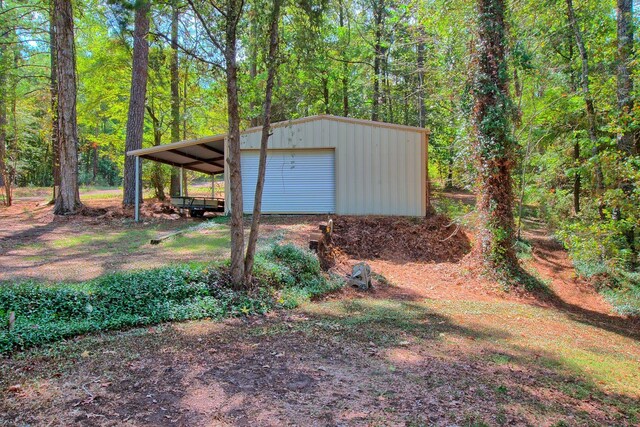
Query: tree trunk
{"points": [[4, 171], [387, 99], [449, 183], [94, 162], [68, 198], [577, 178], [135, 120], [174, 187], [233, 13], [422, 110], [495, 144], [625, 84], [253, 58], [625, 140], [185, 182], [157, 177], [264, 140], [325, 92], [345, 67], [378, 15], [185, 85], [586, 92], [53, 88]]}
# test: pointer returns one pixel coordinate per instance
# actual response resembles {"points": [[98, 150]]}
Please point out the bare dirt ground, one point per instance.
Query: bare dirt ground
{"points": [[436, 346], [35, 244]]}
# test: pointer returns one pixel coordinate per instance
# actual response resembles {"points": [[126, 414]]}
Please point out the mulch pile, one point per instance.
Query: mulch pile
{"points": [[433, 239]]}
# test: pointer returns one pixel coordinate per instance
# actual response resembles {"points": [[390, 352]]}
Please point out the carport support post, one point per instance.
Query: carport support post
{"points": [[137, 203], [181, 181]]}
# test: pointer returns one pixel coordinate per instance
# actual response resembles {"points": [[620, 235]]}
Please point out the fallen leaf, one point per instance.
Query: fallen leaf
{"points": [[15, 388]]}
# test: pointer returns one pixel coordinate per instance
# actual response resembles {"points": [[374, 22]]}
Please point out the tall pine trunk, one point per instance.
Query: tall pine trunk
{"points": [[625, 84], [253, 57], [4, 171], [272, 64], [625, 140], [174, 188], [379, 10], [68, 198], [233, 13], [135, 120], [157, 175], [495, 145], [53, 89], [577, 179], [422, 110], [345, 65], [586, 93]]}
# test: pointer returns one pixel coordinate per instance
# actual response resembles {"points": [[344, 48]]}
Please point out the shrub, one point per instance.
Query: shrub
{"points": [[285, 276]]}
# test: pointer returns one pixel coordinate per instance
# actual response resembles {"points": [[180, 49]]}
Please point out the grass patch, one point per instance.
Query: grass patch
{"points": [[622, 291], [454, 209], [284, 277]]}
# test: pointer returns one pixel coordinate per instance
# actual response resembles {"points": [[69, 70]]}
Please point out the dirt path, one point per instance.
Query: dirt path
{"points": [[551, 260]]}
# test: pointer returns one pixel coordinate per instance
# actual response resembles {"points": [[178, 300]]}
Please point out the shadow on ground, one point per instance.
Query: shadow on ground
{"points": [[356, 362]]}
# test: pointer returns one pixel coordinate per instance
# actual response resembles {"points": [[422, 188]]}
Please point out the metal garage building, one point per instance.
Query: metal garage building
{"points": [[320, 164]]}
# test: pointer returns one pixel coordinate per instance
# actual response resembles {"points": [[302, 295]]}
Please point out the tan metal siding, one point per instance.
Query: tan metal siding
{"points": [[378, 170]]}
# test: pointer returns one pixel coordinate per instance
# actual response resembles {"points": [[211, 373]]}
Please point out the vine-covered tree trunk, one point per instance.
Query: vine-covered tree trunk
{"points": [[272, 64], [68, 198], [495, 143], [233, 13], [174, 187], [135, 119]]}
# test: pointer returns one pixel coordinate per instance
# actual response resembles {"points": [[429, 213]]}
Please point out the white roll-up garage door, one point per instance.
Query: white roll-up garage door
{"points": [[296, 181]]}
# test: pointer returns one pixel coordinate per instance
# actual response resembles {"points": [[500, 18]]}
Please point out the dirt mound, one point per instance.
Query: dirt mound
{"points": [[149, 209], [432, 239], [92, 212], [160, 210]]}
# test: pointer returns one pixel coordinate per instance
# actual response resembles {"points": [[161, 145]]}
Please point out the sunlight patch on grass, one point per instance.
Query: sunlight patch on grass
{"points": [[503, 333], [200, 243], [606, 358]]}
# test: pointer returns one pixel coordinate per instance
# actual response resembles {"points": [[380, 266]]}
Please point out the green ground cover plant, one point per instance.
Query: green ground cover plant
{"points": [[285, 276]]}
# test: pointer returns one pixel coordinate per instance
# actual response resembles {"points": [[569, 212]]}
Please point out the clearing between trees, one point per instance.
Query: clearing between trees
{"points": [[432, 344]]}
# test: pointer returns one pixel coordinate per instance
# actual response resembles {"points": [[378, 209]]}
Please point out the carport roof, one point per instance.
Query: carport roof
{"points": [[206, 154]]}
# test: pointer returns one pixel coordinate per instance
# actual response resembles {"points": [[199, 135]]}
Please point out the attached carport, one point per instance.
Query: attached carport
{"points": [[205, 155]]}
